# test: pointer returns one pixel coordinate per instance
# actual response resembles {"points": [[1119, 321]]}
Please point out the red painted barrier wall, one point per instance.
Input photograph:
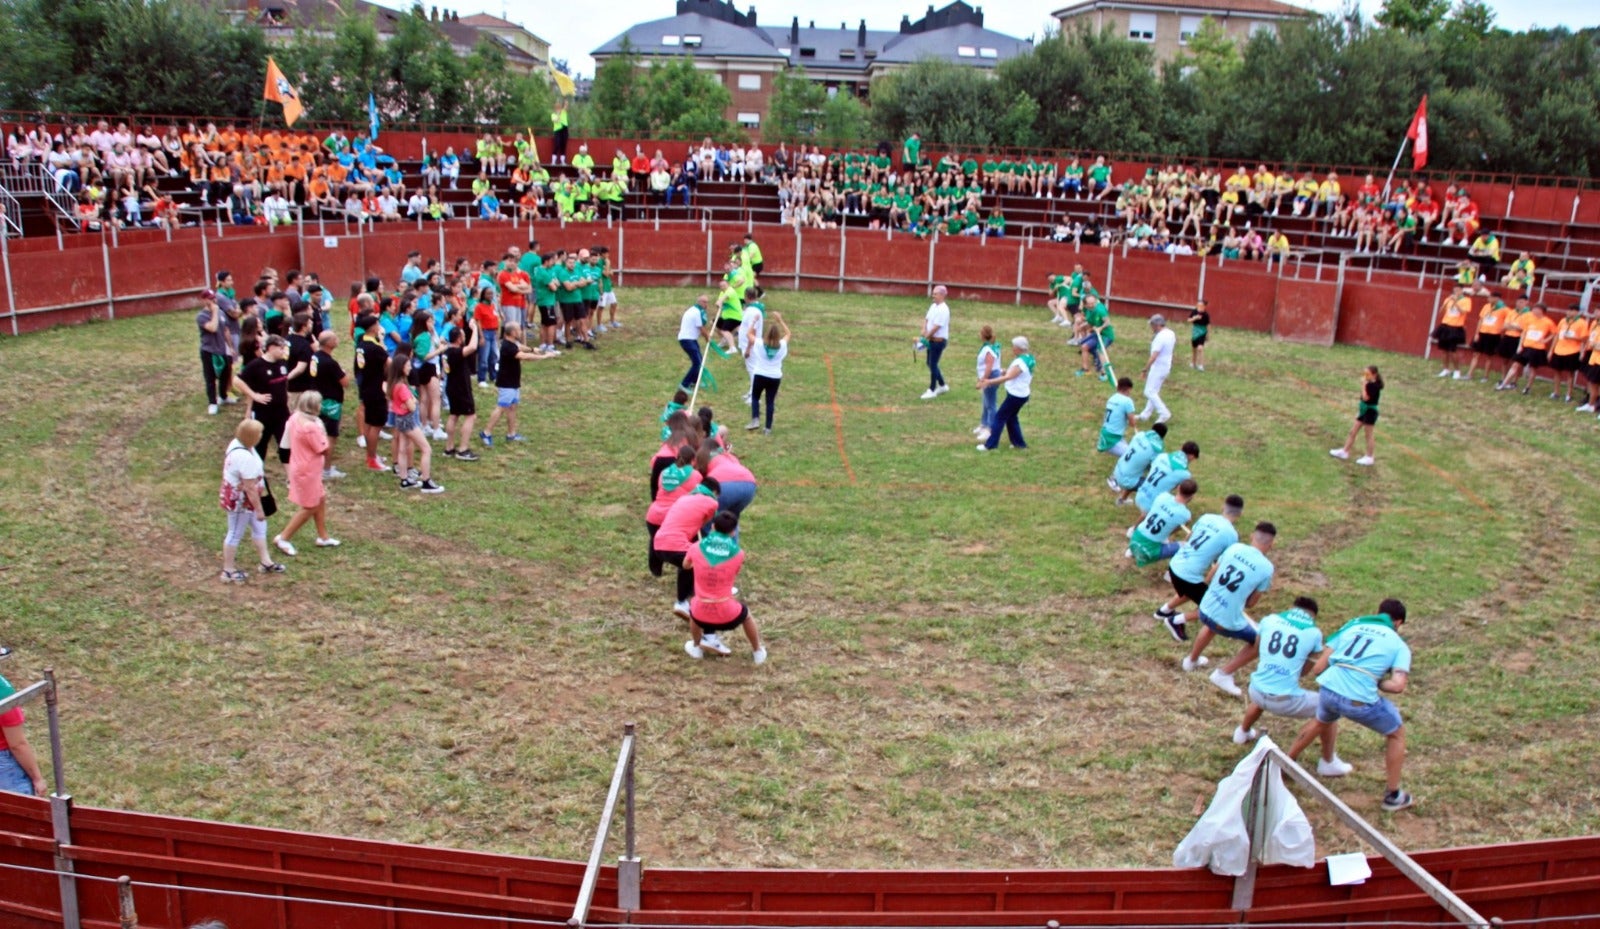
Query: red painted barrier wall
{"points": [[151, 274]]}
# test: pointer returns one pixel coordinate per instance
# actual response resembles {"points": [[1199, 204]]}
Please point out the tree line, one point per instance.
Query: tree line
{"points": [[184, 57]]}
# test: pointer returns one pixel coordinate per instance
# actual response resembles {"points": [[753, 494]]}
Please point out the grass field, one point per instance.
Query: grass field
{"points": [[964, 670]]}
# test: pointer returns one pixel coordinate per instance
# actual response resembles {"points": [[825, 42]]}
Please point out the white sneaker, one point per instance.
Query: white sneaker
{"points": [[1339, 453], [283, 546], [361, 441], [983, 446], [1458, 376], [682, 609], [693, 650], [976, 429], [1242, 735], [483, 385], [1586, 408], [1335, 768], [1366, 461], [1199, 367], [711, 642], [1224, 682], [385, 435], [332, 474], [1111, 482], [211, 410], [754, 424], [943, 389], [983, 435], [1445, 372], [1130, 532], [1192, 665], [327, 543], [759, 656], [229, 401], [929, 394]]}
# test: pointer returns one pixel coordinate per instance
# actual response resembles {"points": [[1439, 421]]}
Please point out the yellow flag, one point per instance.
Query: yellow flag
{"points": [[279, 90], [563, 83]]}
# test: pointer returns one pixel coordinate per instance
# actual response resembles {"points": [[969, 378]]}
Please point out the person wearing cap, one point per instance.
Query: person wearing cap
{"points": [[1018, 381], [216, 355], [1362, 662], [19, 766], [1156, 370], [936, 334]]}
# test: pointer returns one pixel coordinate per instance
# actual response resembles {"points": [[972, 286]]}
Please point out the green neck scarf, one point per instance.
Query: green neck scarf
{"points": [[670, 409], [1299, 617], [673, 477], [1027, 360], [703, 489], [718, 548], [1379, 619]]}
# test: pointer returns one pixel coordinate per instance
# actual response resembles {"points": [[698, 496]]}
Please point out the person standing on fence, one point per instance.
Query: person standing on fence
{"points": [[19, 767], [988, 367], [936, 334], [1158, 368], [1018, 381], [559, 121], [765, 361]]}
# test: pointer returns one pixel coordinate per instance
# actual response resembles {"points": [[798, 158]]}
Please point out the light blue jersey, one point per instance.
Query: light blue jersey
{"points": [[1287, 640], [1131, 466], [1118, 409], [1363, 651], [1165, 516], [1241, 571], [1212, 535], [1166, 472]]}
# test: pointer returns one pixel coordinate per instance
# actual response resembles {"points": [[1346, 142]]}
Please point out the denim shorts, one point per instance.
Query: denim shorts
{"points": [[12, 778], [407, 422], [1245, 634], [508, 396], [1381, 717], [1302, 704]]}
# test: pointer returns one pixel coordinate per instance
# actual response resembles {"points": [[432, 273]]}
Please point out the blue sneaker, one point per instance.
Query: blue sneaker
{"points": [[488, 440], [515, 437]]}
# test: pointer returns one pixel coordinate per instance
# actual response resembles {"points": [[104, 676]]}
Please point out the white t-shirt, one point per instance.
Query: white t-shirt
{"points": [[939, 321], [1022, 384], [988, 360], [240, 464], [751, 327], [694, 320], [762, 364], [1161, 346]]}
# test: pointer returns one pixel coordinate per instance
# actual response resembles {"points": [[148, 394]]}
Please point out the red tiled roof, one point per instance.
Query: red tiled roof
{"points": [[1269, 7]]}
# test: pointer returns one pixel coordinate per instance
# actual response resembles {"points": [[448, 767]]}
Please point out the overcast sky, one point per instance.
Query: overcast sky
{"points": [[574, 35]]}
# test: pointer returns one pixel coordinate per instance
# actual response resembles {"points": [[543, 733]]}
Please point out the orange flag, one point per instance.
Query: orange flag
{"points": [[279, 90]]}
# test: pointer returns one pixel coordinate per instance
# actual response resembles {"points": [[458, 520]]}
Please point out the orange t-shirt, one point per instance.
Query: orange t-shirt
{"points": [[1455, 312], [1594, 344], [1570, 336], [319, 187], [229, 140], [1492, 318], [1517, 320], [1537, 333]]}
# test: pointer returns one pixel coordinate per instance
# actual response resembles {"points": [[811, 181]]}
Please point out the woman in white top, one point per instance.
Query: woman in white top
{"points": [[988, 367], [1019, 385], [766, 367], [242, 482]]}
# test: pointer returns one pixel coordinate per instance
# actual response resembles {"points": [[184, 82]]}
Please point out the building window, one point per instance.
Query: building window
{"points": [[987, 52], [671, 40], [967, 51], [1188, 28], [1259, 28], [808, 53], [1142, 27], [749, 82], [692, 41], [784, 52], [750, 120]]}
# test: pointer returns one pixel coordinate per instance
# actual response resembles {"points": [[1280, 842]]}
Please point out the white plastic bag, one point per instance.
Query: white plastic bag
{"points": [[1221, 839]]}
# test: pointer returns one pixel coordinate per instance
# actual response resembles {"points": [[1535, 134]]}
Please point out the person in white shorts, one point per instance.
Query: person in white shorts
{"points": [[1290, 642], [1157, 368]]}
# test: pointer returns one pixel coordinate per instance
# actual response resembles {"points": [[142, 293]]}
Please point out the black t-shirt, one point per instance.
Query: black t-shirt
{"points": [[300, 350], [1200, 319], [371, 359], [325, 377], [268, 377], [458, 372], [510, 374], [1372, 391]]}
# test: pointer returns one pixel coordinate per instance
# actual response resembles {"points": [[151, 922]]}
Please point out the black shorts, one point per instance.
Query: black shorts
{"points": [[331, 425], [1367, 417], [727, 325], [589, 307], [757, 266], [1487, 343], [374, 411], [571, 312], [423, 374], [1532, 358], [736, 622], [548, 315], [1591, 373], [1198, 341], [1449, 338], [1508, 346], [1194, 590], [1564, 363], [462, 403]]}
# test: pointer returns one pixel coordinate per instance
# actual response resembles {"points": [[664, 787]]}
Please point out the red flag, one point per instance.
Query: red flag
{"points": [[1418, 134]]}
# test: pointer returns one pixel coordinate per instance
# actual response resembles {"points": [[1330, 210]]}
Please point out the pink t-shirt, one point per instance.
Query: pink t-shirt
{"points": [[666, 498], [401, 399], [11, 718], [713, 587], [684, 519], [726, 468]]}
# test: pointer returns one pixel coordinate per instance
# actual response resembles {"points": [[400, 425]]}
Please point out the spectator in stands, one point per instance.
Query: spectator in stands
{"points": [[681, 185], [1520, 277], [450, 166], [584, 163], [1277, 247], [755, 164], [1485, 250]]}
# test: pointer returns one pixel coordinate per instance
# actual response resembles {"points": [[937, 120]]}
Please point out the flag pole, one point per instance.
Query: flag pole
{"points": [[1393, 168]]}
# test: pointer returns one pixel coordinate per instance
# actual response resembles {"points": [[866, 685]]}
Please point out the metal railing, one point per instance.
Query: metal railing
{"points": [[60, 800], [34, 177], [10, 214], [629, 870]]}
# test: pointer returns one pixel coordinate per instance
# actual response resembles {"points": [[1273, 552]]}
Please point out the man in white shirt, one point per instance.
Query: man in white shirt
{"points": [[695, 325], [935, 335], [1157, 368], [277, 209]]}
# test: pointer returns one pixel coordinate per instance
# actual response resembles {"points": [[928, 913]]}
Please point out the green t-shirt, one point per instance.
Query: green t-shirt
{"points": [[528, 264], [970, 166], [541, 277], [954, 224], [591, 277], [913, 151], [1100, 173], [564, 276]]}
